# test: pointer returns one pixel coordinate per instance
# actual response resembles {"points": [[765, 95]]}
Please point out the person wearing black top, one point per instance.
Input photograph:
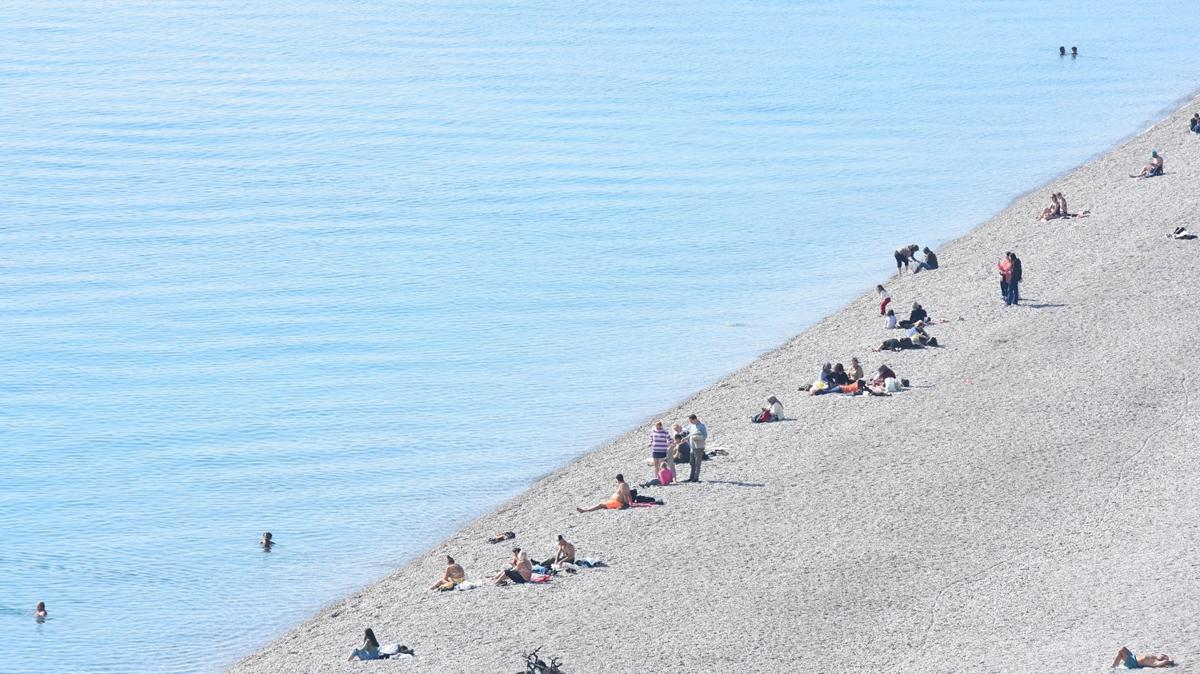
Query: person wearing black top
{"points": [[918, 313], [839, 375], [930, 261], [1014, 294]]}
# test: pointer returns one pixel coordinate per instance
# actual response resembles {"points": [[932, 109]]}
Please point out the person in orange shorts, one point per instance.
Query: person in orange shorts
{"points": [[620, 500]]}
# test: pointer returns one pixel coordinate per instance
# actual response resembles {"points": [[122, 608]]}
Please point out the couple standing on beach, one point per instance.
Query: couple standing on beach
{"points": [[692, 439], [1010, 278]]}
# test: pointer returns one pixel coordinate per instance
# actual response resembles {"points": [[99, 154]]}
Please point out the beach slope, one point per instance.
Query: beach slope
{"points": [[1030, 504]]}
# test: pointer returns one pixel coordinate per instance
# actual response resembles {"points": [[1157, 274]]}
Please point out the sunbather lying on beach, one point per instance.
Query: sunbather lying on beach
{"points": [[502, 536], [619, 501], [769, 414], [519, 570], [1154, 168], [854, 388], [451, 578], [917, 338], [1125, 658]]}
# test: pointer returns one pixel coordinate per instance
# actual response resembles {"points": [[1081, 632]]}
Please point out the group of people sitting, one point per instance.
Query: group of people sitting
{"points": [[917, 338], [1058, 209], [836, 379]]}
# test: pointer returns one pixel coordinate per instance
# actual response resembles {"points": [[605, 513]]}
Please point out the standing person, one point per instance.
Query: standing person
{"points": [[660, 440], [905, 255], [697, 437], [1014, 284], [885, 299], [1005, 268]]}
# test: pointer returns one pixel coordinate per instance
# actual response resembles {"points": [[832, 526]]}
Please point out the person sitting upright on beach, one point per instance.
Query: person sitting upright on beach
{"points": [[930, 262], [369, 649], [1154, 168], [564, 554], [1054, 210], [856, 371], [1125, 658], [839, 375], [619, 501], [768, 414], [519, 570], [452, 577], [918, 313], [1195, 123], [891, 320]]}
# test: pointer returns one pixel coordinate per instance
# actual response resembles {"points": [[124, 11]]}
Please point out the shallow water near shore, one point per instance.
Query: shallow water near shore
{"points": [[358, 275]]}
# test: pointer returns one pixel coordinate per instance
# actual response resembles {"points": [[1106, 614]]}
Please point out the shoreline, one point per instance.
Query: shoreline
{"points": [[890, 542]]}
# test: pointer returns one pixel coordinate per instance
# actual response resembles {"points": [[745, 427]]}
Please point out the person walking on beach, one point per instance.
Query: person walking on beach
{"points": [[660, 441], [697, 437], [905, 255], [885, 299]]}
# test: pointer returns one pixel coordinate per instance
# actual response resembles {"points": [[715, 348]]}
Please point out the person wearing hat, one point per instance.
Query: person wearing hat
{"points": [[1154, 168]]}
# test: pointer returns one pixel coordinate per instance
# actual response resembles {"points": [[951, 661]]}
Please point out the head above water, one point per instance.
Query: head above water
{"points": [[41, 607], [1074, 51], [1062, 51]]}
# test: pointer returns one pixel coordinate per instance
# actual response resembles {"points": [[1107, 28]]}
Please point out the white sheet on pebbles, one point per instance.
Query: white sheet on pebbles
{"points": [[1030, 506]]}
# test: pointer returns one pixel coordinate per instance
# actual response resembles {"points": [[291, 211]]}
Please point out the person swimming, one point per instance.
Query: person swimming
{"points": [[1062, 51], [39, 613], [266, 541]]}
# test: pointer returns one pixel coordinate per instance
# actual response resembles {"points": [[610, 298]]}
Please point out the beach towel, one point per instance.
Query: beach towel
{"points": [[467, 585], [540, 578]]}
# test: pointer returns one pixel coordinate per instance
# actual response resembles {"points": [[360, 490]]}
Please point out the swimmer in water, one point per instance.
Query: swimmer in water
{"points": [[1062, 51], [266, 541], [1074, 52], [40, 612]]}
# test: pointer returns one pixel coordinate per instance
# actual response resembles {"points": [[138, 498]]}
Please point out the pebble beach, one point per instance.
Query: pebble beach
{"points": [[1028, 504]]}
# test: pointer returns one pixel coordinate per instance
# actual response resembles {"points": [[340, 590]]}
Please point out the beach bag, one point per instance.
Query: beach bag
{"points": [[818, 385], [890, 385]]}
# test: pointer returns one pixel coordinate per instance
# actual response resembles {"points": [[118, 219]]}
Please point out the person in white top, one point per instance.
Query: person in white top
{"points": [[885, 298], [776, 408], [891, 319]]}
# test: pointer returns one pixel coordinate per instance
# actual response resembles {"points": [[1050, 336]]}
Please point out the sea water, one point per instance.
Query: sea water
{"points": [[355, 273]]}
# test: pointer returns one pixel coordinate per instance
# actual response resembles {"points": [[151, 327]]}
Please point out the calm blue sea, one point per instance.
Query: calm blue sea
{"points": [[358, 272]]}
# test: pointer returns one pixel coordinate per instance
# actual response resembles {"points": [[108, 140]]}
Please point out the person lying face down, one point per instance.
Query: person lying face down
{"points": [[620, 499]]}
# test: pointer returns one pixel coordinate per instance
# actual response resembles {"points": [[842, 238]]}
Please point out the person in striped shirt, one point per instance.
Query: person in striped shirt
{"points": [[660, 440]]}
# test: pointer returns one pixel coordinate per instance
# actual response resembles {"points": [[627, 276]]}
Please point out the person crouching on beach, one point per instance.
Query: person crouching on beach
{"points": [[904, 256], [885, 298], [452, 577], [660, 441], [621, 498], [681, 450]]}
